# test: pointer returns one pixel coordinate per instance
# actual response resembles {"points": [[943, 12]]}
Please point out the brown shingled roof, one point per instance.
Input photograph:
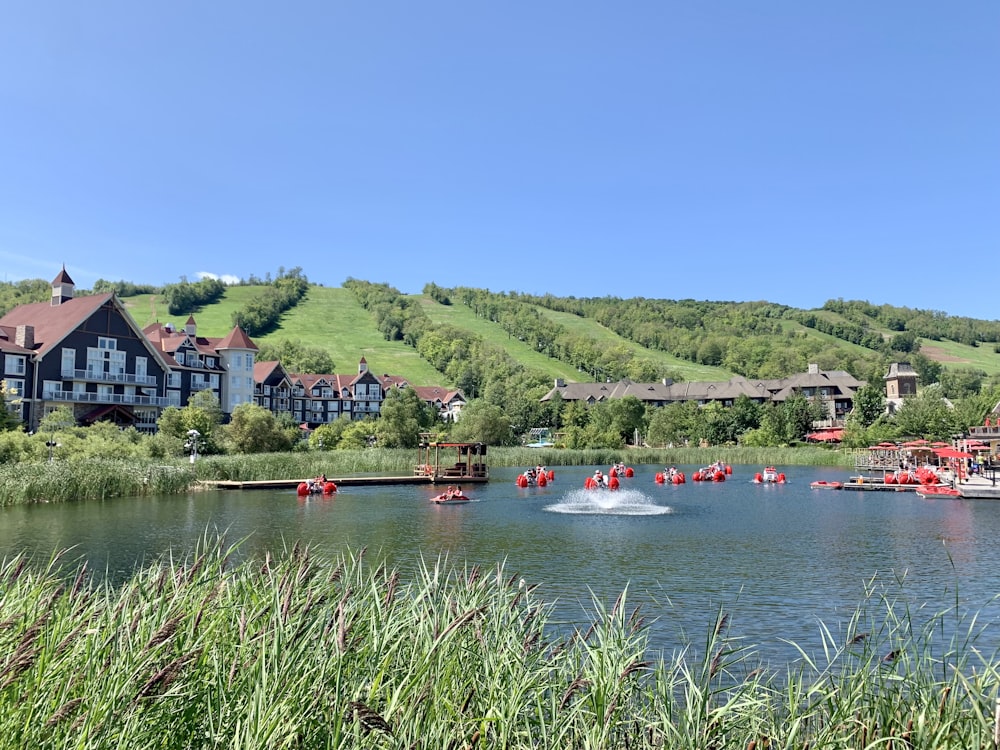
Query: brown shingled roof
{"points": [[237, 339], [53, 323]]}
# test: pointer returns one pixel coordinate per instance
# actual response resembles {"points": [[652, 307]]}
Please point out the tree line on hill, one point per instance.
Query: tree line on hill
{"points": [[752, 339], [258, 315]]}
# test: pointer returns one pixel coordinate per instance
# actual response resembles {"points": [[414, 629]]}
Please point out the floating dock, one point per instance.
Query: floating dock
{"points": [[874, 484], [291, 484], [432, 468]]}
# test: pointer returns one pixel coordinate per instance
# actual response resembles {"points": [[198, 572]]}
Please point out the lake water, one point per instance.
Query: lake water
{"points": [[778, 558]]}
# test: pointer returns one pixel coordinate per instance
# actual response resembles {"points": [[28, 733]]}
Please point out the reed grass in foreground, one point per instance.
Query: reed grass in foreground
{"points": [[302, 652]]}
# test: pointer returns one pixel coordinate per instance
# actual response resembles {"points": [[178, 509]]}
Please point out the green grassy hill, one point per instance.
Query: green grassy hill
{"points": [[954, 355], [950, 354], [331, 318], [594, 330], [465, 319]]}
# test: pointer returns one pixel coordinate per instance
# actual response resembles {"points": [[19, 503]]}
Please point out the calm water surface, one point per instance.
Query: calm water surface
{"points": [[779, 558]]}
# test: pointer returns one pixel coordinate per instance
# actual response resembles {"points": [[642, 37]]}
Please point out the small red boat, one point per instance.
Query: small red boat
{"points": [[826, 485], [454, 499], [938, 489]]}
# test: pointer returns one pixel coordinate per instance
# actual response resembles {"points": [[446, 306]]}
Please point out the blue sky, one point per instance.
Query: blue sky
{"points": [[789, 151]]}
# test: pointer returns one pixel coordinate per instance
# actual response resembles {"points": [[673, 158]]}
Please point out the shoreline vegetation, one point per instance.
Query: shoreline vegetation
{"points": [[301, 651], [96, 478]]}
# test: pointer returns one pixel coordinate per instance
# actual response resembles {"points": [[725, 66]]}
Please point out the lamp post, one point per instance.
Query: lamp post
{"points": [[193, 436], [50, 444]]}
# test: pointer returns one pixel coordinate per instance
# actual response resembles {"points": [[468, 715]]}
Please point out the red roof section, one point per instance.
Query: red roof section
{"points": [[53, 323], [237, 339]]}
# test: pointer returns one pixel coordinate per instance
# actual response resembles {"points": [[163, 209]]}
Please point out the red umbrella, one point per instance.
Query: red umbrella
{"points": [[831, 436], [951, 453]]}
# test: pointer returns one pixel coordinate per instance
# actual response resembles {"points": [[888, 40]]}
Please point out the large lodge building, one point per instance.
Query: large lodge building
{"points": [[88, 353]]}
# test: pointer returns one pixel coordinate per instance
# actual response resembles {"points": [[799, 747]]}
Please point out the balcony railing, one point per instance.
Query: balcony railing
{"points": [[105, 398], [108, 377]]}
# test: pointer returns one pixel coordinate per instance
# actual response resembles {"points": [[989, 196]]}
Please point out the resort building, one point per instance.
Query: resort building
{"points": [[224, 366], [83, 352], [88, 353], [834, 389]]}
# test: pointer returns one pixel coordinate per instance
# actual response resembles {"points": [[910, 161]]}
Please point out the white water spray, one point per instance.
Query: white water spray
{"points": [[621, 502]]}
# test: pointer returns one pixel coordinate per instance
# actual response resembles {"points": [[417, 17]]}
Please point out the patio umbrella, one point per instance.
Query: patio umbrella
{"points": [[951, 453], [828, 436]]}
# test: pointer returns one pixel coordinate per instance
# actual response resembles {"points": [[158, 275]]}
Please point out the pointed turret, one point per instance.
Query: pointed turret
{"points": [[62, 288]]}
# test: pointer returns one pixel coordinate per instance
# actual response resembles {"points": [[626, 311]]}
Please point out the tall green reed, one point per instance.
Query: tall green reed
{"points": [[296, 650]]}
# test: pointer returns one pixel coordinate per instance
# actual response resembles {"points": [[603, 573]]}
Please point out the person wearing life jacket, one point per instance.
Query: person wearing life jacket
{"points": [[599, 478]]}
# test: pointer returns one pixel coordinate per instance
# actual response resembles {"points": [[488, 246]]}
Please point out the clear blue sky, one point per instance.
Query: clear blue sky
{"points": [[790, 151]]}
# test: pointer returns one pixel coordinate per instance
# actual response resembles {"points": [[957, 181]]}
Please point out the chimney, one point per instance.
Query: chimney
{"points": [[814, 369], [24, 336], [560, 383]]}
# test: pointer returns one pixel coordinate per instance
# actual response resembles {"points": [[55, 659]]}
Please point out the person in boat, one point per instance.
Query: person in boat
{"points": [[458, 491], [449, 493], [671, 472], [599, 478]]}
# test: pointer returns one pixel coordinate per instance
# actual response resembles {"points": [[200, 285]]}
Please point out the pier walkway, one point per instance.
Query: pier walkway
{"points": [[291, 484]]}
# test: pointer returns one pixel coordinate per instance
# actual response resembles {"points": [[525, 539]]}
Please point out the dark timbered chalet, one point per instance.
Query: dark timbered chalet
{"points": [[273, 387], [321, 399], [83, 352]]}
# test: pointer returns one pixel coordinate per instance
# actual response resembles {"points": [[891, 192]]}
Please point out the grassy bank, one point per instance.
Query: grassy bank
{"points": [[101, 478], [90, 479], [302, 652], [802, 456]]}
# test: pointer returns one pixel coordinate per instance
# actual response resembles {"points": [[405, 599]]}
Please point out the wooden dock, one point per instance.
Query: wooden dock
{"points": [[434, 467], [873, 484], [291, 484]]}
